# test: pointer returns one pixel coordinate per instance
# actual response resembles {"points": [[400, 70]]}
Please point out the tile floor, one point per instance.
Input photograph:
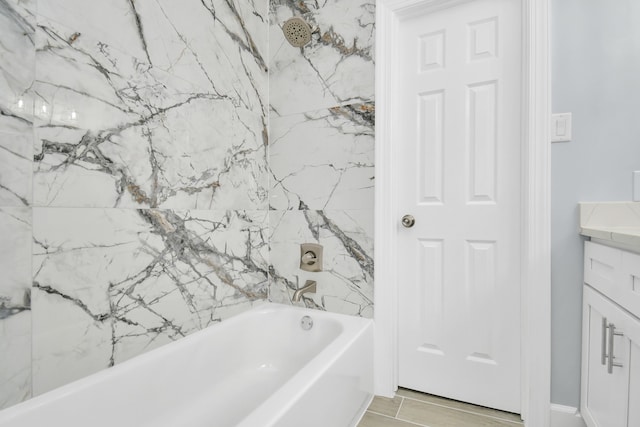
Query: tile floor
{"points": [[410, 408]]}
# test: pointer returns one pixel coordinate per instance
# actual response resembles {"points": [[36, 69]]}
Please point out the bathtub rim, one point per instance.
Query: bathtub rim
{"points": [[301, 381], [347, 322]]}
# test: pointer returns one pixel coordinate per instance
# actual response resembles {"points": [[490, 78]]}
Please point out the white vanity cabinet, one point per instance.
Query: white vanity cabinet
{"points": [[610, 338]]}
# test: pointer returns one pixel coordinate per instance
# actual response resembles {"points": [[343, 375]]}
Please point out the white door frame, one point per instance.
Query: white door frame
{"points": [[536, 282]]}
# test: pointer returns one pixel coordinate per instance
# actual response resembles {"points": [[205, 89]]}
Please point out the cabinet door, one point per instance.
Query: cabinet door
{"points": [[634, 380], [604, 394]]}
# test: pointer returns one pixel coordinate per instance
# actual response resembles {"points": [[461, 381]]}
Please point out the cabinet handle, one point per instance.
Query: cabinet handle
{"points": [[603, 347], [612, 335]]}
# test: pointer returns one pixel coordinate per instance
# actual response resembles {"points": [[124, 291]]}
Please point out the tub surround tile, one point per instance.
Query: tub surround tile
{"points": [[70, 341], [17, 65], [229, 37], [115, 131], [16, 169], [141, 138], [336, 68], [15, 306], [169, 162], [113, 283], [321, 152], [323, 160], [346, 283], [219, 46], [15, 357]]}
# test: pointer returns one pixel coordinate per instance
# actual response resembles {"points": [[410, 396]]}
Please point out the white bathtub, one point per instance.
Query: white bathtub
{"points": [[257, 369]]}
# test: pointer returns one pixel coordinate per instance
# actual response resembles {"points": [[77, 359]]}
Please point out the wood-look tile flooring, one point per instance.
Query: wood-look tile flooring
{"points": [[410, 408]]}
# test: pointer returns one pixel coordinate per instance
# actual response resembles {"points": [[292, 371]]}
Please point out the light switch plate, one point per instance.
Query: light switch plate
{"points": [[636, 186], [561, 127]]}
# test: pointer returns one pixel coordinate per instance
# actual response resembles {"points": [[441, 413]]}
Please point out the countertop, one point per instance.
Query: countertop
{"points": [[618, 222]]}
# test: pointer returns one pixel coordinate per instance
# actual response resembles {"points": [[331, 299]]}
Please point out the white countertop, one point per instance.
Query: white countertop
{"points": [[617, 222]]}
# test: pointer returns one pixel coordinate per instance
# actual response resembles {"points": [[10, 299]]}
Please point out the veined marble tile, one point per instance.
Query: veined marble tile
{"points": [[336, 68], [209, 260], [16, 168], [110, 284], [346, 283], [218, 46], [323, 159], [15, 305], [117, 132], [17, 65]]}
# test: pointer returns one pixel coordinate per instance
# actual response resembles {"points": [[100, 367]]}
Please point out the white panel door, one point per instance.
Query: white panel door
{"points": [[459, 80]]}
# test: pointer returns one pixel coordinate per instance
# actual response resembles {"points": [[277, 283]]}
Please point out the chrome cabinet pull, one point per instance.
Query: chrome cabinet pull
{"points": [[603, 346], [610, 362]]}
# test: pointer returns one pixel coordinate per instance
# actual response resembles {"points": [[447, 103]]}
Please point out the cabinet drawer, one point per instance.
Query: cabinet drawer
{"points": [[615, 273], [602, 266]]}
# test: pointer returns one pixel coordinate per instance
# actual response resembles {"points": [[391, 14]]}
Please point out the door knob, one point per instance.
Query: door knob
{"points": [[408, 221]]}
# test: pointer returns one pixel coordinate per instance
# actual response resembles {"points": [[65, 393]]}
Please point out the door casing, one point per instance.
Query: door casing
{"points": [[536, 282]]}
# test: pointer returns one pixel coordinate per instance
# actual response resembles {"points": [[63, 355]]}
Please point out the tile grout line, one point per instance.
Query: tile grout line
{"points": [[399, 406], [403, 420], [463, 410], [397, 419]]}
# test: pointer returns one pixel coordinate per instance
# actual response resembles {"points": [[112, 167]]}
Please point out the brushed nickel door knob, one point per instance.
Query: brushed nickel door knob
{"points": [[408, 221]]}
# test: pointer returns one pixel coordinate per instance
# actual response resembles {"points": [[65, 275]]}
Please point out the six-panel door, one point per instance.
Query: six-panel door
{"points": [[459, 135]]}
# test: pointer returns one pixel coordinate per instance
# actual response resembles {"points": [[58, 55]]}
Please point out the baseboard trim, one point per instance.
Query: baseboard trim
{"points": [[566, 416]]}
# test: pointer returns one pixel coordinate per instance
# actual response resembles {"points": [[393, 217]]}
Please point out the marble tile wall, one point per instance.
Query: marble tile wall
{"points": [[321, 156], [17, 61], [109, 284], [133, 179], [15, 305], [160, 163]]}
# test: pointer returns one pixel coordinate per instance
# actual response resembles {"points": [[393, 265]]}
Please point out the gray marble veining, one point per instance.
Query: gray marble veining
{"points": [[323, 159], [15, 305], [17, 66], [116, 131], [346, 284], [336, 68], [112, 283], [143, 192]]}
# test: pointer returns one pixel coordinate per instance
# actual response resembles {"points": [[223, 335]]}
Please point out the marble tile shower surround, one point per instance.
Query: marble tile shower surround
{"points": [[17, 60], [323, 159], [182, 124], [346, 283], [141, 185], [15, 313], [109, 284], [336, 68]]}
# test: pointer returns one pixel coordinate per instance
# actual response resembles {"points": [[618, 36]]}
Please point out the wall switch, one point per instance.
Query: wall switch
{"points": [[636, 186], [561, 127]]}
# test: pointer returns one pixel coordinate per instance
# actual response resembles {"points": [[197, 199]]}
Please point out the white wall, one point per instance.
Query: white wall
{"points": [[596, 76]]}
